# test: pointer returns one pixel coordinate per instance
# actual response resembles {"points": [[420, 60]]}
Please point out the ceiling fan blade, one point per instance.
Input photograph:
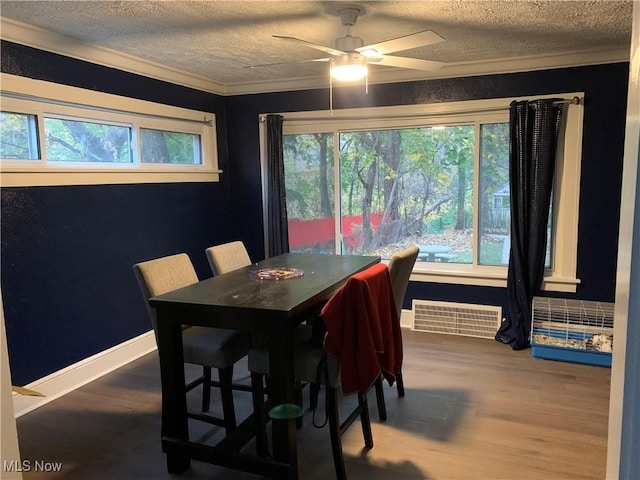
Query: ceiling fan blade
{"points": [[404, 62], [288, 63], [399, 44], [317, 46]]}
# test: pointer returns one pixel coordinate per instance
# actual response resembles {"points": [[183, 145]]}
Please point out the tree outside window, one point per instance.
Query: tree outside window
{"points": [[400, 187]]}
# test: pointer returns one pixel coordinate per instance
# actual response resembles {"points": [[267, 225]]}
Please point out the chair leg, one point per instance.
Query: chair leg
{"points": [[226, 393], [314, 392], [382, 407], [260, 414], [334, 430], [365, 420], [206, 388], [299, 401], [400, 384]]}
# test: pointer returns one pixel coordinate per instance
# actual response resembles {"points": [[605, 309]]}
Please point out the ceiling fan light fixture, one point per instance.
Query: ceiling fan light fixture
{"points": [[349, 69], [349, 72]]}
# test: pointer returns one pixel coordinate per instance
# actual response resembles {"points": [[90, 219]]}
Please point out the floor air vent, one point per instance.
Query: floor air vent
{"points": [[456, 318]]}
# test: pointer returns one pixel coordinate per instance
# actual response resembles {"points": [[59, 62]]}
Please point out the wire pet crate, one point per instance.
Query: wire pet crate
{"points": [[577, 331]]}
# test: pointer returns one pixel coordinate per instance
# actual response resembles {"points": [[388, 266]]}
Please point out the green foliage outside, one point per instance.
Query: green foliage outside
{"points": [[83, 141], [309, 183], [17, 136], [158, 146], [420, 179], [73, 141]]}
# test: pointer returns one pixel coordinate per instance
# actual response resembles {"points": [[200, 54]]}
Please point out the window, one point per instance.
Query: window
{"points": [[494, 214], [374, 181], [18, 136], [69, 140], [91, 137], [157, 146], [310, 190]]}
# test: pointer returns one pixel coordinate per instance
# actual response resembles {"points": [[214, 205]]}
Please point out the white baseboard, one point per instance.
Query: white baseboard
{"points": [[406, 318], [74, 376]]}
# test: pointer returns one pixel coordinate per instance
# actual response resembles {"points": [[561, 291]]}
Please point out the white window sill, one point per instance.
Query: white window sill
{"points": [[486, 277], [560, 284]]}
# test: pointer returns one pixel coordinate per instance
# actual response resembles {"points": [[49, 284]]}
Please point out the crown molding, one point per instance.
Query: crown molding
{"points": [[452, 70], [36, 37], [32, 36]]}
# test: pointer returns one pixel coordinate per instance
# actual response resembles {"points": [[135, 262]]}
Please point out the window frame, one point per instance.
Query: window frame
{"points": [[562, 276], [24, 96]]}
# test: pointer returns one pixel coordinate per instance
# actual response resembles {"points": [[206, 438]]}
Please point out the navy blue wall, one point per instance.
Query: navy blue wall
{"points": [[605, 90], [67, 252]]}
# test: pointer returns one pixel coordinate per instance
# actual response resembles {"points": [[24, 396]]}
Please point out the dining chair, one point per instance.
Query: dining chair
{"points": [[209, 347], [227, 257], [231, 256], [400, 268], [359, 343]]}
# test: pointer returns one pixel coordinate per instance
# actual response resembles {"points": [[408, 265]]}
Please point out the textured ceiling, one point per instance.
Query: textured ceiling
{"points": [[219, 39]]}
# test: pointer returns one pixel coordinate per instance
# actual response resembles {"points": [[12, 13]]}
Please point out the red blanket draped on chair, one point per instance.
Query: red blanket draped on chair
{"points": [[363, 329]]}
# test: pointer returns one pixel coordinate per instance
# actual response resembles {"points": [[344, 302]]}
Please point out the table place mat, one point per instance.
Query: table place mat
{"points": [[276, 273]]}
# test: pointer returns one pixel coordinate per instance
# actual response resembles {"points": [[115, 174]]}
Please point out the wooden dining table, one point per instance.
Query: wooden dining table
{"points": [[271, 308]]}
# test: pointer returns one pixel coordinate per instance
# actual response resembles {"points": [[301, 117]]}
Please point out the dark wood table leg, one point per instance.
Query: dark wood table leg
{"points": [[174, 401], [282, 391]]}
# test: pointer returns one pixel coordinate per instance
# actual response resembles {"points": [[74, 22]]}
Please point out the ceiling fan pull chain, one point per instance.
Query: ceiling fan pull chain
{"points": [[330, 89]]}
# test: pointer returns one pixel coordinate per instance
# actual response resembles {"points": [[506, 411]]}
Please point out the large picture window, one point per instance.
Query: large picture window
{"points": [[374, 185], [73, 136]]}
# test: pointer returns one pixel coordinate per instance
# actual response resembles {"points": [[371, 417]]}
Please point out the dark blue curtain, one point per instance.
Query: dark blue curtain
{"points": [[278, 233], [533, 130]]}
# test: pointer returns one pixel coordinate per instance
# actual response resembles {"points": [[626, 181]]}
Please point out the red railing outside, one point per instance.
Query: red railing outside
{"points": [[319, 233]]}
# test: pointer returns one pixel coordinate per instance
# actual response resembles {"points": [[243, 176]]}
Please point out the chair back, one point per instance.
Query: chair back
{"points": [[362, 329], [162, 275], [227, 257], [400, 268]]}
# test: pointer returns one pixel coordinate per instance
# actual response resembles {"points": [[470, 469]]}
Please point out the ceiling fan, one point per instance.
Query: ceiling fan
{"points": [[350, 57]]}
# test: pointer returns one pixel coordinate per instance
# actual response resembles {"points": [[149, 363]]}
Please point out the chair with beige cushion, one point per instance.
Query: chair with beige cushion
{"points": [[227, 257], [210, 347]]}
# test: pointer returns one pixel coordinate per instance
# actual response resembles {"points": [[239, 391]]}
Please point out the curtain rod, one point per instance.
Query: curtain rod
{"points": [[33, 98], [568, 101]]}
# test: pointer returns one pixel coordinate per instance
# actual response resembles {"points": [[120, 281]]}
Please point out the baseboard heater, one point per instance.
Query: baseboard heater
{"points": [[456, 318]]}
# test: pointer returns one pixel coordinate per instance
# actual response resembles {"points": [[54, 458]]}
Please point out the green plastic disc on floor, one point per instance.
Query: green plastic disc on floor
{"points": [[286, 411]]}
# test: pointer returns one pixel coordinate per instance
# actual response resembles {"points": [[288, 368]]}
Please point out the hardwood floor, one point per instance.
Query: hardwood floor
{"points": [[474, 409]]}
